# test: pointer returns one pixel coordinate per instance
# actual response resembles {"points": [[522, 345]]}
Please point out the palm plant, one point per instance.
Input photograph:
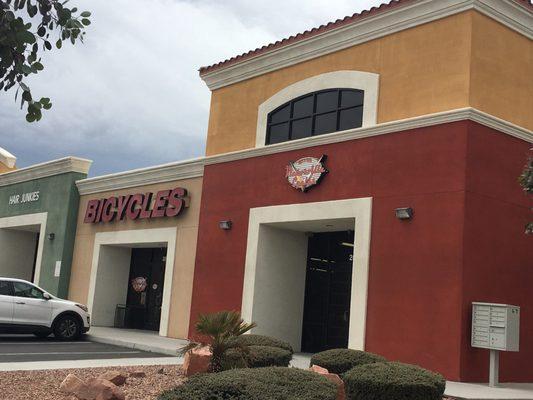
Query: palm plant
{"points": [[222, 328]]}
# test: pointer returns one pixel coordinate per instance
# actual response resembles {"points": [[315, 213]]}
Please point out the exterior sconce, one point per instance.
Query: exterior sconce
{"points": [[404, 213], [51, 236], [225, 225]]}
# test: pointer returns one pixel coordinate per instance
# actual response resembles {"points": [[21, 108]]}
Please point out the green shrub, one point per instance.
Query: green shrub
{"points": [[261, 340], [339, 361], [257, 357], [393, 381], [273, 383]]}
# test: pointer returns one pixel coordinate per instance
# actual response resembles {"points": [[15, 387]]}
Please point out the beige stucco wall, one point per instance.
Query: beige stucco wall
{"points": [[187, 230], [423, 70]]}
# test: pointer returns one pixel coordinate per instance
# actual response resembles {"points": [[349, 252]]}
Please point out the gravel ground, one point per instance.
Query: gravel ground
{"points": [[44, 385]]}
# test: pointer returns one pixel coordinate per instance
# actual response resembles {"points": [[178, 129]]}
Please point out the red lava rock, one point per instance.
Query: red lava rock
{"points": [[115, 377], [137, 374], [341, 393], [197, 361], [74, 385]]}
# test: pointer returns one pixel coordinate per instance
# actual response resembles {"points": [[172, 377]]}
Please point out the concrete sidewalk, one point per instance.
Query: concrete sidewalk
{"points": [[136, 339], [479, 391]]}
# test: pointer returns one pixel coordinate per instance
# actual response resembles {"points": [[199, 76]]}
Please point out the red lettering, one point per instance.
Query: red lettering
{"points": [[99, 211], [175, 202], [160, 204], [121, 207], [109, 211], [132, 212], [90, 212], [145, 208]]}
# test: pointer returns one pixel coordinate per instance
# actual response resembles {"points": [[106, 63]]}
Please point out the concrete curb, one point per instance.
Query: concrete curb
{"points": [[152, 348]]}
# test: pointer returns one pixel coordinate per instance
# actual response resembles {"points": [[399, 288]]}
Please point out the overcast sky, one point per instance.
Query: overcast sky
{"points": [[131, 96]]}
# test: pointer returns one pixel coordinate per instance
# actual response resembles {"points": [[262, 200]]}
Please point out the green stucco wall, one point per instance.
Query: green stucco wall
{"points": [[58, 196]]}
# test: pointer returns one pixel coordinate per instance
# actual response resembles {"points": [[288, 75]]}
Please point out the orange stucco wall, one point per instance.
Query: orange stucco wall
{"points": [[423, 70], [5, 168], [187, 232], [501, 73]]}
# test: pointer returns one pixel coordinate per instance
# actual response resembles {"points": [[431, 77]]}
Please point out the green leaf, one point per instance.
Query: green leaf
{"points": [[48, 45], [41, 31], [30, 117], [24, 87], [86, 22], [85, 14], [44, 100], [38, 66], [59, 43], [26, 70], [47, 106], [26, 96]]}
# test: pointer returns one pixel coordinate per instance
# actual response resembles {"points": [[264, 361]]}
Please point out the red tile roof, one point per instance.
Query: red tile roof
{"points": [[321, 29]]}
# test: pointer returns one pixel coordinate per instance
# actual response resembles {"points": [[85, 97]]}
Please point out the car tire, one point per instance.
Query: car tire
{"points": [[67, 327], [42, 334]]}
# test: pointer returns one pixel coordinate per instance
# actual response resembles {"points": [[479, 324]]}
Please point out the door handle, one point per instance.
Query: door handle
{"points": [[19, 302]]}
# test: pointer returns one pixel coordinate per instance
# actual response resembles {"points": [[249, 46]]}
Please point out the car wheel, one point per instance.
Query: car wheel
{"points": [[42, 334], [67, 327]]}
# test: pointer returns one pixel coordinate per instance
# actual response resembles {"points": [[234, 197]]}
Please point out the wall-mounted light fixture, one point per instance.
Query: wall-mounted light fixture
{"points": [[225, 225], [404, 213], [51, 236]]}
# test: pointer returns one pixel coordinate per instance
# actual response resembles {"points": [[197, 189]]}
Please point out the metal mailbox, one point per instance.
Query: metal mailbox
{"points": [[495, 326]]}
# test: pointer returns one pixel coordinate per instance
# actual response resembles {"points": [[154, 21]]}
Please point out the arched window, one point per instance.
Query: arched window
{"points": [[314, 114]]}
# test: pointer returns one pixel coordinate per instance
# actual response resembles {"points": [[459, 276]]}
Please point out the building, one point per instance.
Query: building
{"points": [[38, 209], [135, 247], [360, 185]]}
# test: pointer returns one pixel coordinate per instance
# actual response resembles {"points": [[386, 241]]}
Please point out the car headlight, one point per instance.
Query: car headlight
{"points": [[84, 308]]}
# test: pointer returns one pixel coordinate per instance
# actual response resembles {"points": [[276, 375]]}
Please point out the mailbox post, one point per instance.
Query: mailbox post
{"points": [[495, 327]]}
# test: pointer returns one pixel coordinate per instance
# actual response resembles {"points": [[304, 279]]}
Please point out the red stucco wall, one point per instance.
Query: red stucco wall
{"points": [[416, 305], [498, 256]]}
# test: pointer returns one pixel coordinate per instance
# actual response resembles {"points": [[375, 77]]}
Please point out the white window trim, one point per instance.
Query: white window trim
{"points": [[139, 236], [359, 209], [367, 81], [25, 220]]}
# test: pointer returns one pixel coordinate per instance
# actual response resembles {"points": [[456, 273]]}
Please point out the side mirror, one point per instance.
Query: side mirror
{"points": [[46, 296]]}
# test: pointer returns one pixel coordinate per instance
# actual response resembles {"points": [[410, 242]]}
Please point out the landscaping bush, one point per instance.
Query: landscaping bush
{"points": [[393, 381], [261, 340], [339, 361], [273, 383], [257, 357]]}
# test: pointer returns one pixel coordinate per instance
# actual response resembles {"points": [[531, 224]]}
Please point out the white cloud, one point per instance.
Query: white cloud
{"points": [[131, 96]]}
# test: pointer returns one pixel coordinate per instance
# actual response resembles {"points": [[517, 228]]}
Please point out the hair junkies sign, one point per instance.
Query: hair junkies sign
{"points": [[165, 203]]}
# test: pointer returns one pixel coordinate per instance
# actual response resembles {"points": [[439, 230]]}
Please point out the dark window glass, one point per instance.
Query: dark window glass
{"points": [[21, 289], [279, 133], [5, 288], [303, 107], [317, 113], [326, 123], [350, 98], [327, 101], [281, 115], [351, 118], [301, 128]]}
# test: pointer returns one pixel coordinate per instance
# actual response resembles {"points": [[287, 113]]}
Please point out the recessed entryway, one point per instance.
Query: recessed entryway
{"points": [[21, 245], [131, 279], [281, 278]]}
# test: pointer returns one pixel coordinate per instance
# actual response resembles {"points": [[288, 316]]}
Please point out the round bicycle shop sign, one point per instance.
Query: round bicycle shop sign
{"points": [[305, 172]]}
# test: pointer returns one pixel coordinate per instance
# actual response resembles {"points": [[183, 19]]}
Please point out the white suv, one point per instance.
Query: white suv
{"points": [[26, 308]]}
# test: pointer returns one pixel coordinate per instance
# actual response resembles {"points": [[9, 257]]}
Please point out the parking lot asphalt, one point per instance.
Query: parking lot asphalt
{"points": [[24, 348]]}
